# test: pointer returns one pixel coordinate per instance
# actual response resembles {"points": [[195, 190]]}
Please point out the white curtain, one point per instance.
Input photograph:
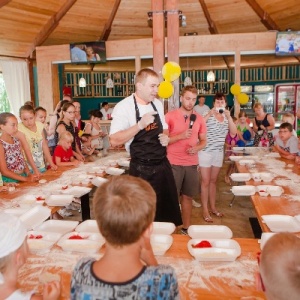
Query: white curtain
{"points": [[16, 79]]}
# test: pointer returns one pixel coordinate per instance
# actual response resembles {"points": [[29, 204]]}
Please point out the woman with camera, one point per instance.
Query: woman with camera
{"points": [[218, 122]]}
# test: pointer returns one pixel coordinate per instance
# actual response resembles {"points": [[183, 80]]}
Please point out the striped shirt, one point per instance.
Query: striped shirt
{"points": [[216, 134]]}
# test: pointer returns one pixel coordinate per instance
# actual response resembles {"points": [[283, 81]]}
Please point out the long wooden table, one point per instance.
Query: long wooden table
{"points": [[275, 205], [209, 280]]}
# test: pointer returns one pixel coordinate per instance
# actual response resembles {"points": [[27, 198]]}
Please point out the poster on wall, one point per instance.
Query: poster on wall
{"points": [[88, 52], [288, 43]]}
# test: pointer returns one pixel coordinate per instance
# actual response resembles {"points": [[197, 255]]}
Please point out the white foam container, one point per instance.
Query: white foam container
{"points": [[240, 177], [264, 238], [221, 250], [163, 228], [35, 216], [59, 200], [209, 232], [97, 181], [39, 246], [282, 223], [244, 162], [238, 158], [18, 211], [124, 163], [77, 191], [161, 243], [46, 236], [243, 190], [27, 201], [82, 246], [273, 190], [88, 226], [59, 226], [85, 235], [114, 171]]}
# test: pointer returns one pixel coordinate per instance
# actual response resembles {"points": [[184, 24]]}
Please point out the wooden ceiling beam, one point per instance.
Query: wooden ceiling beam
{"points": [[107, 28], [211, 25], [263, 15], [4, 2], [50, 26]]}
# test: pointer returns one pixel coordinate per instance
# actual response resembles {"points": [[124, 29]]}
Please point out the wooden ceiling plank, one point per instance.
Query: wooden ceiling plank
{"points": [[211, 25], [263, 15], [4, 2], [50, 26], [107, 28]]}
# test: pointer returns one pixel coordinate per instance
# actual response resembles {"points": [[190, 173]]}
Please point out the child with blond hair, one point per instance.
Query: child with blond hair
{"points": [[280, 267], [13, 254], [63, 154], [124, 208]]}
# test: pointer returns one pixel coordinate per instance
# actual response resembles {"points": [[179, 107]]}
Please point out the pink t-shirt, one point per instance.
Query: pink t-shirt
{"points": [[176, 152], [65, 156]]}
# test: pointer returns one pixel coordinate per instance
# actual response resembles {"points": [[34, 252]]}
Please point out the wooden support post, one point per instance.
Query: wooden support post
{"points": [[158, 33], [237, 80], [173, 46]]}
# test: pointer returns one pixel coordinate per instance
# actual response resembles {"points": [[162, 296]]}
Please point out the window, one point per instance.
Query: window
{"points": [[4, 103]]}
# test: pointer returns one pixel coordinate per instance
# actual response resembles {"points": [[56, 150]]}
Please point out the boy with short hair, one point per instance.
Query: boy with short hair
{"points": [[124, 208], [280, 267], [13, 254], [286, 143]]}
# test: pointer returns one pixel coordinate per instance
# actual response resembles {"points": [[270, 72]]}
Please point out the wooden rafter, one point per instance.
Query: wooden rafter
{"points": [[50, 26], [211, 25], [4, 2], [107, 28], [263, 15]]}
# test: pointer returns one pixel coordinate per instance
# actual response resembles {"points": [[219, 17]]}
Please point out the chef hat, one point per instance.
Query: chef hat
{"points": [[12, 234]]}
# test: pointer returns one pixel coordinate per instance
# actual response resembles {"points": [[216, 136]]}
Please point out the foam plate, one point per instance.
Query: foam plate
{"points": [[161, 243], [59, 226], [243, 162], [114, 171], [209, 232], [18, 211], [163, 228], [273, 190], [97, 181], [221, 250], [35, 216], [243, 190], [77, 191], [282, 223], [83, 246], [59, 200], [88, 226], [240, 177]]}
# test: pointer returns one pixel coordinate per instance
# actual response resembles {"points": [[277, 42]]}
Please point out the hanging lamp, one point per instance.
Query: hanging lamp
{"points": [[82, 82], [211, 77]]}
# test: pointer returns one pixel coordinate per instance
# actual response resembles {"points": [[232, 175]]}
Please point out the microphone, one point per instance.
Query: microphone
{"points": [[192, 120]]}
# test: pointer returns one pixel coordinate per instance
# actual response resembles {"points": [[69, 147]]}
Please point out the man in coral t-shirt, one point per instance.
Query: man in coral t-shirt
{"points": [[187, 132]]}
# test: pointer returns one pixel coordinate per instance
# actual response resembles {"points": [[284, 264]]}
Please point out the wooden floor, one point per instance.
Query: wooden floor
{"points": [[235, 217]]}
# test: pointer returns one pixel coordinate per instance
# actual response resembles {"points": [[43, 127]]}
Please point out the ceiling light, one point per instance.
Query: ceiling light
{"points": [[82, 82], [182, 18]]}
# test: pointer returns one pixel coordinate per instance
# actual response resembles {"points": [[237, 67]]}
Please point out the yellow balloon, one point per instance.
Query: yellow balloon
{"points": [[235, 89], [165, 89], [171, 71], [243, 98]]}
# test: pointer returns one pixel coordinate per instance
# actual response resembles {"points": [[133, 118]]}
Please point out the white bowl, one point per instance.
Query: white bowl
{"points": [[161, 243], [163, 228], [263, 193]]}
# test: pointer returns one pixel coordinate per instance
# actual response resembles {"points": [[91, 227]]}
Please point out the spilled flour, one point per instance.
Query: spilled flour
{"points": [[212, 276]]}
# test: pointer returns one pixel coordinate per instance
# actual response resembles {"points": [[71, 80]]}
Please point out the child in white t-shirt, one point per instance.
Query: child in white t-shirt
{"points": [[13, 254]]}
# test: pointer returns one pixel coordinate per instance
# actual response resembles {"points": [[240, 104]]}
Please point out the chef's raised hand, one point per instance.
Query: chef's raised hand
{"points": [[164, 139], [146, 119]]}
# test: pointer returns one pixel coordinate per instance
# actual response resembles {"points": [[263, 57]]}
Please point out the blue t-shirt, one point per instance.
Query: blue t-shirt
{"points": [[153, 282]]}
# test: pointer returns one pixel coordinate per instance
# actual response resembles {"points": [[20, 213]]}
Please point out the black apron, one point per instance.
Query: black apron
{"points": [[149, 161]]}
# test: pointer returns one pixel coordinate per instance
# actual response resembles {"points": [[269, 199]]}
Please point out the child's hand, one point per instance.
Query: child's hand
{"points": [[53, 167], [147, 254], [3, 188], [76, 162], [51, 290], [33, 177]]}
